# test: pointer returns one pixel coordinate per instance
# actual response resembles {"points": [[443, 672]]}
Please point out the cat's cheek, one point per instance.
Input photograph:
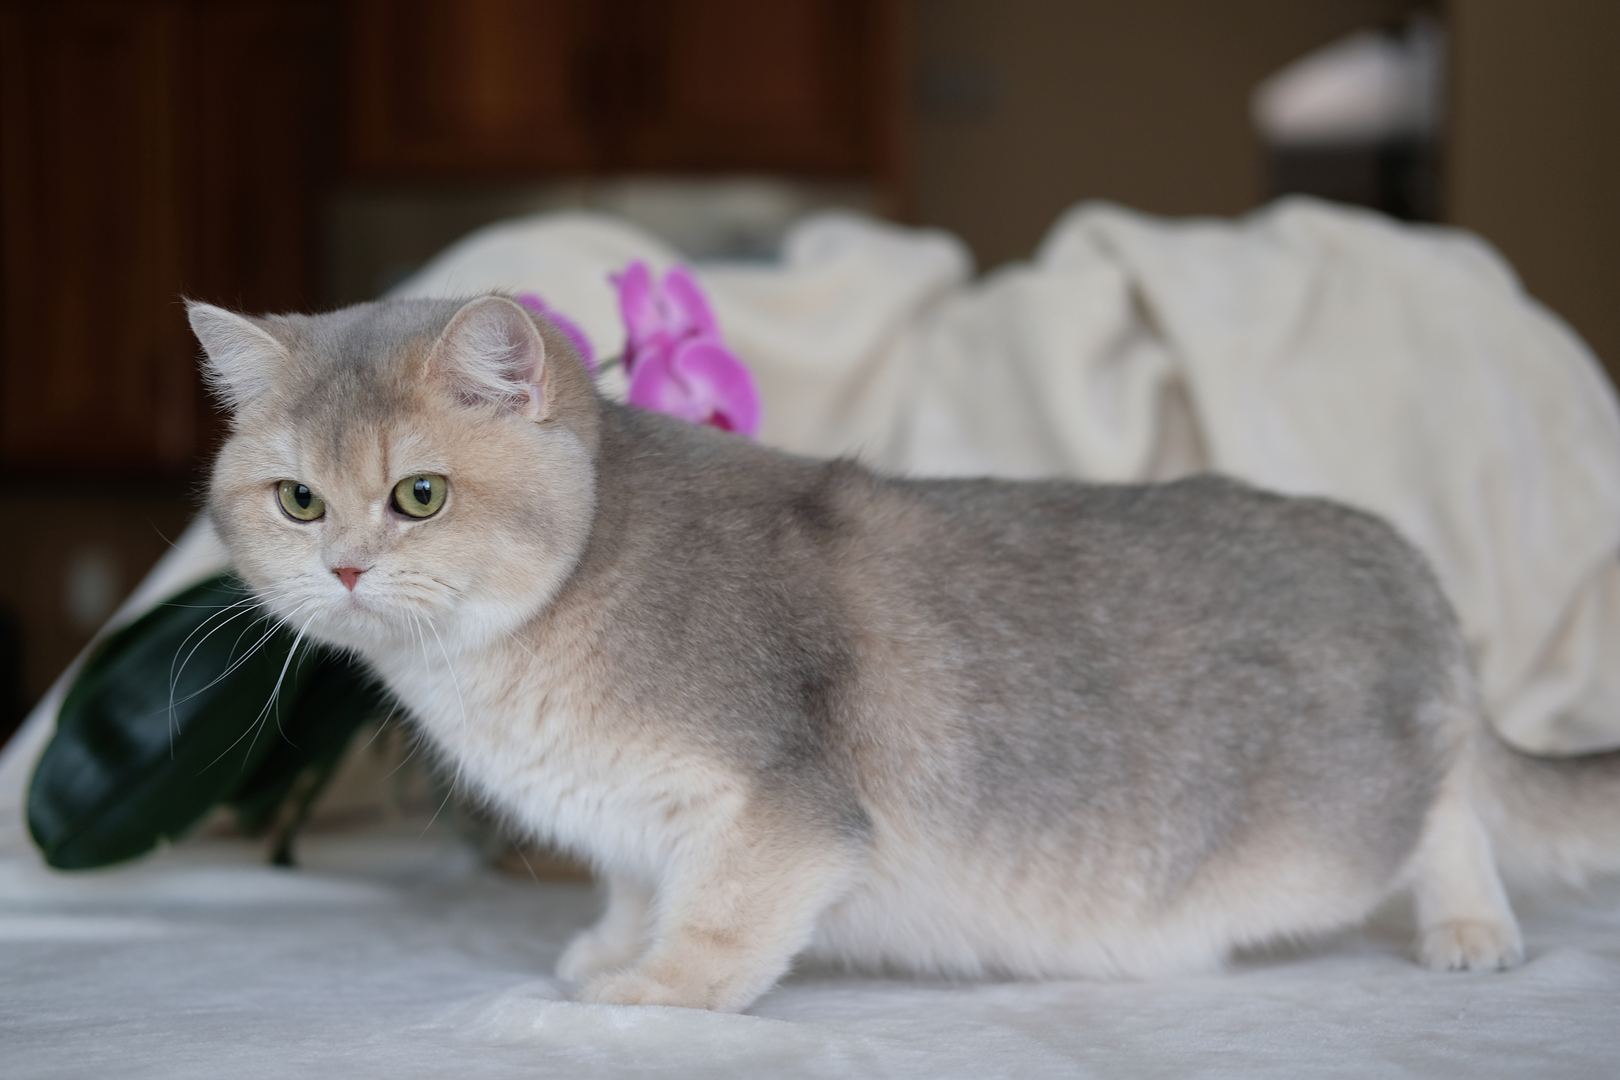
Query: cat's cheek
{"points": [[272, 562]]}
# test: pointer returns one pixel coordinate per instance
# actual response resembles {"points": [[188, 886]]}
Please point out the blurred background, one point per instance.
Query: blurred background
{"points": [[294, 154]]}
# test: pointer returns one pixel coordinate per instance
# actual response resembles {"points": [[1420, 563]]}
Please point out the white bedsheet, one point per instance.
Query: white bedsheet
{"points": [[1306, 348], [397, 957]]}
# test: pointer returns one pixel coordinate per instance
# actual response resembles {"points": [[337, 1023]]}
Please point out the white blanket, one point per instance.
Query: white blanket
{"points": [[398, 958], [1310, 349], [1307, 349]]}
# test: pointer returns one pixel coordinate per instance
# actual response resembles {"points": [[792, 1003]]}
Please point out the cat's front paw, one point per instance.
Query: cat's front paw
{"points": [[633, 988], [593, 953], [1471, 945]]}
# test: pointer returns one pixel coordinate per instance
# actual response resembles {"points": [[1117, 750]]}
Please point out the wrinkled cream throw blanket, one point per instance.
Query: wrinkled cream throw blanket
{"points": [[1309, 349]]}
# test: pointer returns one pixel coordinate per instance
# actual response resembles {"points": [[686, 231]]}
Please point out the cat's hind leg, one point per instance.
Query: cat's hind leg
{"points": [[1464, 920], [617, 939]]}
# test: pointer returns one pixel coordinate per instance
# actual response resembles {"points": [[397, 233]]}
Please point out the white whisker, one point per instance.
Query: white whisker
{"points": [[460, 702], [520, 644], [233, 665], [238, 608], [449, 667], [416, 744], [275, 692], [451, 790], [380, 727]]}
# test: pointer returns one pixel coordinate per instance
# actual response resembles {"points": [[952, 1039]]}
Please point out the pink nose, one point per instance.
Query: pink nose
{"points": [[350, 575]]}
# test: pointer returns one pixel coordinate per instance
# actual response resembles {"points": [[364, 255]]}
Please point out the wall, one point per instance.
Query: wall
{"points": [[1027, 106], [83, 548], [1534, 154]]}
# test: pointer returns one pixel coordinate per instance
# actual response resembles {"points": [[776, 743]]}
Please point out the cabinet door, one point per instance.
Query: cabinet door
{"points": [[97, 370], [466, 88], [472, 89], [149, 150], [259, 151], [787, 86]]}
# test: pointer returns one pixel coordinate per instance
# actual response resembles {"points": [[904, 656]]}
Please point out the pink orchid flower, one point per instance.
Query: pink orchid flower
{"points": [[674, 356], [562, 322]]}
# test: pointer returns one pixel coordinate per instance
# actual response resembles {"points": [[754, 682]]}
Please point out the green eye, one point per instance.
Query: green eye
{"points": [[420, 496], [300, 503]]}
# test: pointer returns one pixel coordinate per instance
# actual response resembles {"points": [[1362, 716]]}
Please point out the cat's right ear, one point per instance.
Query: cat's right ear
{"points": [[243, 359]]}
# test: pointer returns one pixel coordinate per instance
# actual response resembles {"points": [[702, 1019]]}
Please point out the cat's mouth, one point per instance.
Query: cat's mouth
{"points": [[342, 606], [355, 621]]}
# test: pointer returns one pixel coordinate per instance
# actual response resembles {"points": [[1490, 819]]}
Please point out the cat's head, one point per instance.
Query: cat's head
{"points": [[401, 468]]}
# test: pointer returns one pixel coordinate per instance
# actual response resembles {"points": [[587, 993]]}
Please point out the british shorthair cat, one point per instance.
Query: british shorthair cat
{"points": [[787, 706]]}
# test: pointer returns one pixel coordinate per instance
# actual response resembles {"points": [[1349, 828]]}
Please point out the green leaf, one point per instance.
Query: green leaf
{"points": [[202, 700], [337, 697]]}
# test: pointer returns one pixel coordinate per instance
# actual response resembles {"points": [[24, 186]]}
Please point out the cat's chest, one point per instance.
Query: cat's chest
{"points": [[541, 745], [513, 724]]}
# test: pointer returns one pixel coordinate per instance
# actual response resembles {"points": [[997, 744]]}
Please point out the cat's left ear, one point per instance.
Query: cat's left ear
{"points": [[492, 354]]}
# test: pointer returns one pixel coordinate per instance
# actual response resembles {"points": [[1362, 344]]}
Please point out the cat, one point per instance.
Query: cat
{"points": [[786, 706]]}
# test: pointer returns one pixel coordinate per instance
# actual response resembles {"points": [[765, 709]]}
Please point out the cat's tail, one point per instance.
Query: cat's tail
{"points": [[1549, 818]]}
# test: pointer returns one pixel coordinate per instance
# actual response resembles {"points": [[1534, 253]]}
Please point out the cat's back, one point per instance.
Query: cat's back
{"points": [[1032, 595], [1156, 561]]}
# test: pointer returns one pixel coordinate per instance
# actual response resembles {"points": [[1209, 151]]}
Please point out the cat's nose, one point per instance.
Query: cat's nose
{"points": [[349, 575]]}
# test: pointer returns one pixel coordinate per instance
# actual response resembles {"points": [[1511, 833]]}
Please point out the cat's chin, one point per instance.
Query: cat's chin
{"points": [[356, 636]]}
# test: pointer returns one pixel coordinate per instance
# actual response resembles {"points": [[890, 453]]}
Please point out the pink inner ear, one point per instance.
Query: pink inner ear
{"points": [[492, 354]]}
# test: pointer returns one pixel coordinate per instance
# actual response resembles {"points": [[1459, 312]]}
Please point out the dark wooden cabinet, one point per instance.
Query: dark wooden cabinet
{"points": [[480, 89], [458, 88], [154, 149], [95, 351], [263, 151], [792, 86], [149, 149]]}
